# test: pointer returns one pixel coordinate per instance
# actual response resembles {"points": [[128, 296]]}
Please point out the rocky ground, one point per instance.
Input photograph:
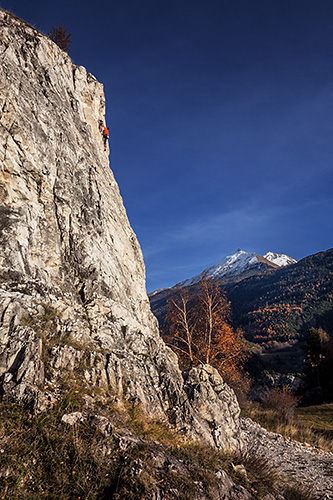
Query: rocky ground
{"points": [[299, 461]]}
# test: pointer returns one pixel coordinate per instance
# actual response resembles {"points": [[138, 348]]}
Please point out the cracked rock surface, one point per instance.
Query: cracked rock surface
{"points": [[72, 277]]}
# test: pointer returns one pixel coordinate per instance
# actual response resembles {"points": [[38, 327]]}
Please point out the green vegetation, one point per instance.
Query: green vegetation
{"points": [[319, 368]]}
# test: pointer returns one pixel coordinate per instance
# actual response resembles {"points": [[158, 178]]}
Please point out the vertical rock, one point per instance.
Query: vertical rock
{"points": [[72, 277]]}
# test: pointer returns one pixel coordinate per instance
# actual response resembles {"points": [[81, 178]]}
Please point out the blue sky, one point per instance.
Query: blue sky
{"points": [[221, 121]]}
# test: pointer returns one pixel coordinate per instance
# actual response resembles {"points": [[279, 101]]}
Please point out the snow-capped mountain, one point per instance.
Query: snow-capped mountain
{"points": [[240, 263], [280, 259]]}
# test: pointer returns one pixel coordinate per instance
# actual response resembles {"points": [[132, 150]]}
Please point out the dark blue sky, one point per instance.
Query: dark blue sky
{"points": [[221, 121]]}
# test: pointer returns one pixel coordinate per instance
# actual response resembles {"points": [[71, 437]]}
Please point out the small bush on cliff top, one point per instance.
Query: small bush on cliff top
{"points": [[61, 37]]}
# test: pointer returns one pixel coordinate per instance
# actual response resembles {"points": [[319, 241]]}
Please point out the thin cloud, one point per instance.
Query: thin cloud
{"points": [[209, 229]]}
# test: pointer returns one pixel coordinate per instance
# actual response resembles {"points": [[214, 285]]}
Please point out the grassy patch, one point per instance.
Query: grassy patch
{"points": [[299, 493], [312, 425], [44, 458], [319, 417], [45, 323]]}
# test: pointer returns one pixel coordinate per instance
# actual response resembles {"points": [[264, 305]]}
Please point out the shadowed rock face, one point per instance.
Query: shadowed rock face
{"points": [[71, 270]]}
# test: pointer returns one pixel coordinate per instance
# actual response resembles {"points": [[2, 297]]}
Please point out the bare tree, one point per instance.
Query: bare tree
{"points": [[180, 325], [197, 327]]}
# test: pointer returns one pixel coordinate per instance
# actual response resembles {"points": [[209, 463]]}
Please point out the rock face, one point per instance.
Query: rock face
{"points": [[72, 277]]}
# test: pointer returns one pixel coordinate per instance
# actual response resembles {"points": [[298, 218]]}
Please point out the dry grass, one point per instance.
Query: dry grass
{"points": [[312, 425], [299, 492], [44, 458], [261, 475]]}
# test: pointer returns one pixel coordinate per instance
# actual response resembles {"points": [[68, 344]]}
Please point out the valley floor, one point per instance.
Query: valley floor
{"points": [[304, 463]]}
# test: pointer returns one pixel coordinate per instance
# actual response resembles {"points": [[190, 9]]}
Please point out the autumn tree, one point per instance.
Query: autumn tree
{"points": [[180, 328], [197, 327], [61, 37]]}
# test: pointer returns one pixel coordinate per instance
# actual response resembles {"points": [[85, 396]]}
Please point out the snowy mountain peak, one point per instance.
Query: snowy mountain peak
{"points": [[241, 262], [280, 260]]}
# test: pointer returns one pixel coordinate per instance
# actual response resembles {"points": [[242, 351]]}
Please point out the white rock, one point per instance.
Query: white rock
{"points": [[73, 418], [68, 254]]}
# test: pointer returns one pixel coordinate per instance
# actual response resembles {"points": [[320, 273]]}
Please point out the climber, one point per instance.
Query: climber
{"points": [[105, 136]]}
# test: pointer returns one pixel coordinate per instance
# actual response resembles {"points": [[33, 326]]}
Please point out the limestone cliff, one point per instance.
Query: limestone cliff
{"points": [[72, 277]]}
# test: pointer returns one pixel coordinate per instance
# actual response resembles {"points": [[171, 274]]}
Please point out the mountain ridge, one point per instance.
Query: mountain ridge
{"points": [[275, 303], [234, 266]]}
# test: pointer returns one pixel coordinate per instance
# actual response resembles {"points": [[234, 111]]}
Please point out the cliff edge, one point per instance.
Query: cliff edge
{"points": [[72, 278]]}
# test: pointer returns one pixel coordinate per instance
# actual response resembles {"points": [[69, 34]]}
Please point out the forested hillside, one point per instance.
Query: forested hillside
{"points": [[278, 304], [285, 303]]}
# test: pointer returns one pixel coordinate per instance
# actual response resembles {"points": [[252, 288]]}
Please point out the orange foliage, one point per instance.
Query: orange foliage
{"points": [[198, 329], [271, 321]]}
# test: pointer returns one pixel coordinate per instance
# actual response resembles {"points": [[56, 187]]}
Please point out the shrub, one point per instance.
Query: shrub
{"points": [[261, 473], [61, 37], [282, 402]]}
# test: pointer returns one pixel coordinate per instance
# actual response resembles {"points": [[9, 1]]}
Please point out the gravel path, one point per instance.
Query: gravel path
{"points": [[300, 462]]}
